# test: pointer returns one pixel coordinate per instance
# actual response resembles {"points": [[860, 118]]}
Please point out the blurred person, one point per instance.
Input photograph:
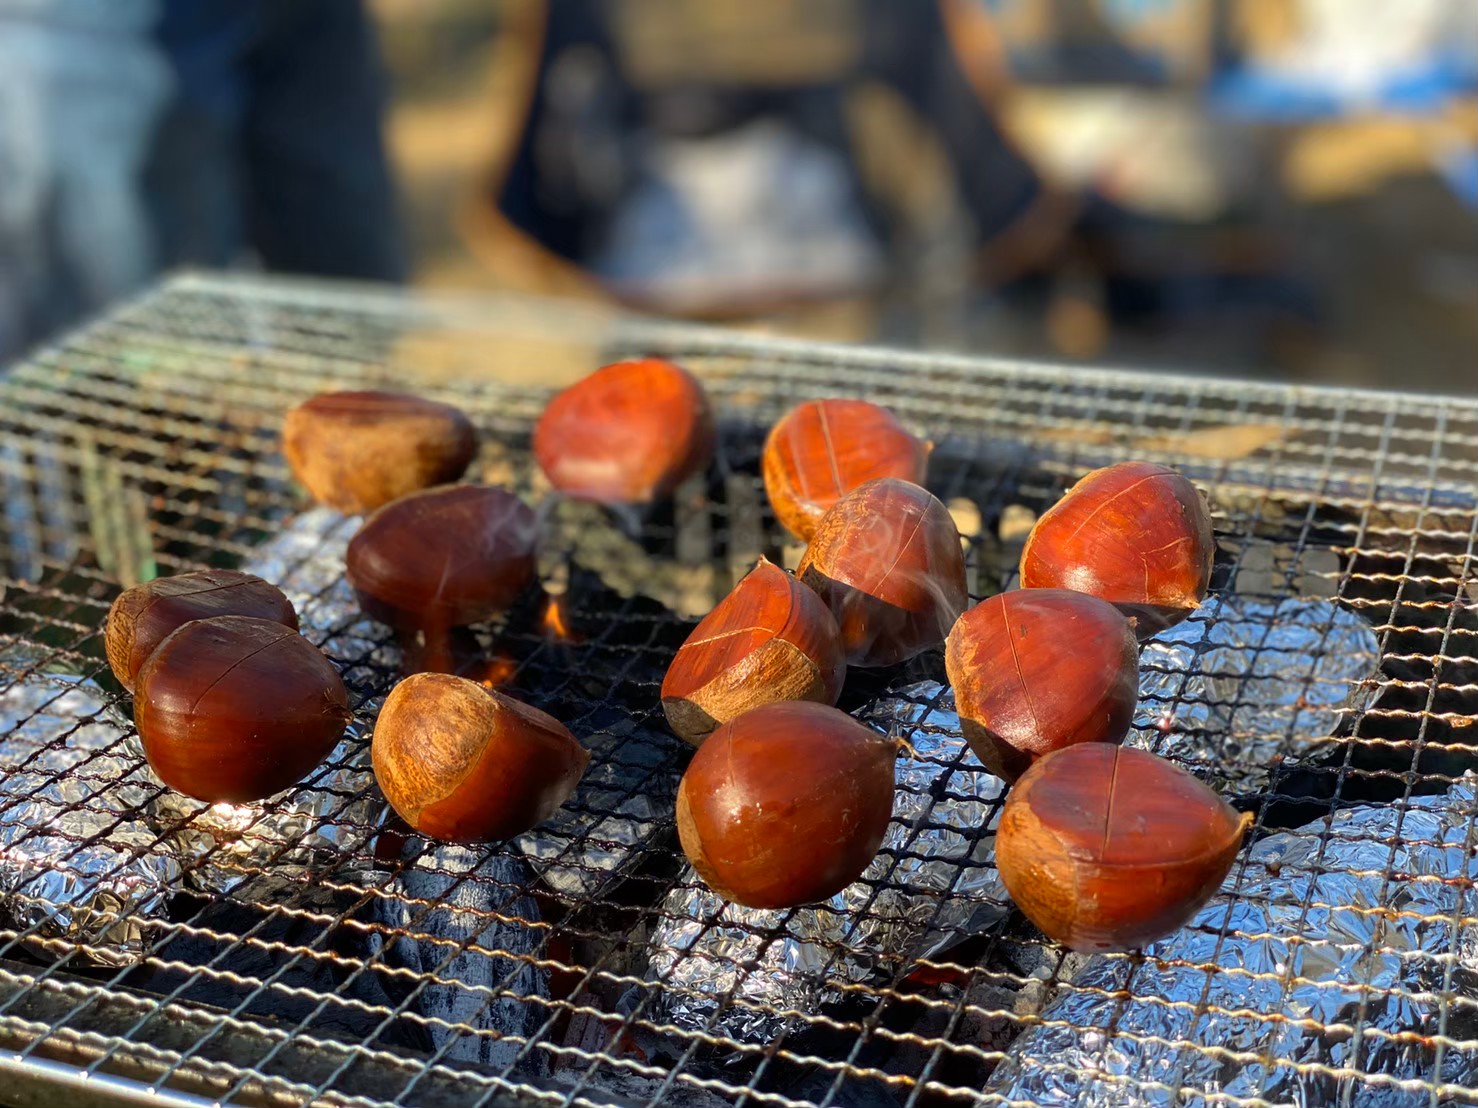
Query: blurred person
{"points": [[738, 157], [724, 157], [272, 144], [81, 87]]}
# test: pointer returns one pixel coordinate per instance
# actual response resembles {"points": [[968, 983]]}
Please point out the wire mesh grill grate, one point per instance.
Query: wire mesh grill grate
{"points": [[373, 970]]}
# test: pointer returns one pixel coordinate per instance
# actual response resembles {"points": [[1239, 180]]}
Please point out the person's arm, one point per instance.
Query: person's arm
{"points": [[947, 62], [502, 222]]}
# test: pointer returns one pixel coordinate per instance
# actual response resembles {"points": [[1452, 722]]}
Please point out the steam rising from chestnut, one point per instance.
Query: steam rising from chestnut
{"points": [[1135, 534], [236, 709], [355, 451], [464, 763], [443, 558], [629, 433], [823, 449], [886, 559], [770, 639], [1109, 848], [1036, 670], [786, 805], [143, 617]]}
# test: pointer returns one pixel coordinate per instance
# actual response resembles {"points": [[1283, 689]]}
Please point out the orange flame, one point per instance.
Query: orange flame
{"points": [[553, 623]]}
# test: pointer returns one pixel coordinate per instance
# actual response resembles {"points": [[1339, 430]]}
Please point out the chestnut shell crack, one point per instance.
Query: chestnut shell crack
{"points": [[234, 665], [1097, 508]]}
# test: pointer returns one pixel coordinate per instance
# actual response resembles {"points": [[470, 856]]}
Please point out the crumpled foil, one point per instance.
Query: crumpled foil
{"points": [[463, 914], [933, 881], [77, 861], [323, 822], [1312, 942], [306, 561], [623, 802], [1243, 685]]}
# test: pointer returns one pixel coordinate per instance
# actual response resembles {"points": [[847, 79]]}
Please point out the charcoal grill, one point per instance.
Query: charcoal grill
{"points": [[145, 443]]}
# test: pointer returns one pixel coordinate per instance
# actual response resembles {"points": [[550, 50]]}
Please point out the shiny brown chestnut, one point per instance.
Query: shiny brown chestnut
{"points": [[443, 558], [629, 433], [823, 449], [770, 639], [787, 804], [1036, 670], [235, 708], [886, 560], [1109, 848], [355, 451], [143, 617], [1135, 534], [465, 763]]}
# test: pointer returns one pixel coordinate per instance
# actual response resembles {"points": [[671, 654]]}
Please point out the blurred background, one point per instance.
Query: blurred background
{"points": [[1282, 189]]}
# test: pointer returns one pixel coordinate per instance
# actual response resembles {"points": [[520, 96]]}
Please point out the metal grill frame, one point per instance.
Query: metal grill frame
{"points": [[161, 420]]}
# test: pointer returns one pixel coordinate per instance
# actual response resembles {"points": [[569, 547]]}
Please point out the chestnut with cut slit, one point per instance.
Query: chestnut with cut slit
{"points": [[886, 560], [770, 639], [787, 804], [443, 558], [144, 616], [823, 449], [1038, 669], [629, 433], [1109, 848], [237, 709], [464, 763], [1135, 534], [355, 451]]}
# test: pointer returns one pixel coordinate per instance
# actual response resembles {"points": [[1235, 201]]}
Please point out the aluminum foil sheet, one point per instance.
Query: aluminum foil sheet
{"points": [[1243, 685], [77, 861], [623, 802], [463, 915], [933, 881], [323, 823], [306, 561], [1313, 960]]}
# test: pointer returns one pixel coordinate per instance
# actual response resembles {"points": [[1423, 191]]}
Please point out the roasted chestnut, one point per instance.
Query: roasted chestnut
{"points": [[1135, 534], [786, 805], [236, 709], [1109, 848], [465, 763], [143, 616], [770, 639], [1038, 669], [443, 558], [823, 449], [629, 433], [355, 451], [886, 559]]}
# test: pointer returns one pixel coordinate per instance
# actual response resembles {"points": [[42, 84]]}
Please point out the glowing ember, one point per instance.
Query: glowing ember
{"points": [[495, 672]]}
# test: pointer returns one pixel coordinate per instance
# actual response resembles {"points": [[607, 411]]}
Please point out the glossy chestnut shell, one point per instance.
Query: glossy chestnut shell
{"points": [[1038, 669], [629, 433], [1135, 534], [143, 616], [237, 709], [355, 451], [464, 763], [770, 639], [886, 560], [823, 449], [443, 558], [1109, 848], [786, 804]]}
